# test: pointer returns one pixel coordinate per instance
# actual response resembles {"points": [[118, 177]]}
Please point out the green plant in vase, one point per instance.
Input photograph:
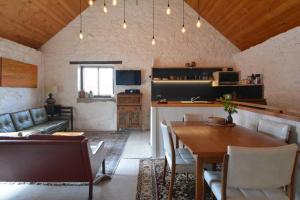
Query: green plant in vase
{"points": [[230, 108]]}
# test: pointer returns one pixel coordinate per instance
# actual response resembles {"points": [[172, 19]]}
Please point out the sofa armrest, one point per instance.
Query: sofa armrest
{"points": [[97, 155]]}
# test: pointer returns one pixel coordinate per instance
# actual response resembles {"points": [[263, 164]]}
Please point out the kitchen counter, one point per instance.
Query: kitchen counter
{"points": [[186, 104]]}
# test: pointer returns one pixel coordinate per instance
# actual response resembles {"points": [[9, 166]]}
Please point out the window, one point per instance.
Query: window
{"points": [[98, 79]]}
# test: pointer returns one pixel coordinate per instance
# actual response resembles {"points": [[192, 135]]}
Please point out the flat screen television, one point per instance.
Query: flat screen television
{"points": [[128, 77]]}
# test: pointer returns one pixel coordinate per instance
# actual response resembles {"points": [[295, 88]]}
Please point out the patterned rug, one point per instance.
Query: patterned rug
{"points": [[150, 183], [114, 143]]}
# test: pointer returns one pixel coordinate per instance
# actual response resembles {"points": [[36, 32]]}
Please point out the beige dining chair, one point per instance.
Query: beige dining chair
{"points": [[255, 174], [190, 117], [278, 130], [179, 160]]}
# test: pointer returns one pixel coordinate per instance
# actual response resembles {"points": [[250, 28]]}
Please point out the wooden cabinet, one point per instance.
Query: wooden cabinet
{"points": [[129, 111], [17, 74]]}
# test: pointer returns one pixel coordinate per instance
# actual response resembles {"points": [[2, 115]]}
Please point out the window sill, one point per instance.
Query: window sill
{"points": [[92, 100]]}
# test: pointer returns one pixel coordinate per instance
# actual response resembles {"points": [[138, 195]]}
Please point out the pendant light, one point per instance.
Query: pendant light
{"points": [[153, 38], [124, 23], [91, 2], [198, 24], [80, 18], [183, 28], [168, 11], [104, 7], [114, 2]]}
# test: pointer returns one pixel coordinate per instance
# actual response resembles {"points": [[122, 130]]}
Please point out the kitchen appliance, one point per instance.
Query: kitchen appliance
{"points": [[132, 91], [226, 78]]}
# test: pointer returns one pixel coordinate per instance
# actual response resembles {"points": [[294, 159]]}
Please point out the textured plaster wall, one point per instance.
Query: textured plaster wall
{"points": [[15, 99], [279, 60], [105, 39]]}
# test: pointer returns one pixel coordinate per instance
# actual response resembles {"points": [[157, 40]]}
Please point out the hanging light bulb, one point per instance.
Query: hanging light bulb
{"points": [[153, 41], [124, 24], [80, 35], [198, 23], [104, 8], [80, 18], [91, 2], [183, 29], [168, 11], [114, 2]]}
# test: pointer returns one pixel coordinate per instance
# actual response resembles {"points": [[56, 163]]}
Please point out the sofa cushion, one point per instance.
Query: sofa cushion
{"points": [[38, 115], [22, 120], [48, 127], [6, 124]]}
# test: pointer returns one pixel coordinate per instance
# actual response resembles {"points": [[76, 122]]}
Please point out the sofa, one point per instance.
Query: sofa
{"points": [[50, 158], [32, 121]]}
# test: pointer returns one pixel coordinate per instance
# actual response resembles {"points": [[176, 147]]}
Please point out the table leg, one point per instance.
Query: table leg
{"points": [[199, 179]]}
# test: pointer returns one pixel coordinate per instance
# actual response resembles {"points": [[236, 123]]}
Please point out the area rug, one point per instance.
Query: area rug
{"points": [[150, 183], [114, 143]]}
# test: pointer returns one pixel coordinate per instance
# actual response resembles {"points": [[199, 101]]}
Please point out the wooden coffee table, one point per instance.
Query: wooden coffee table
{"points": [[68, 133]]}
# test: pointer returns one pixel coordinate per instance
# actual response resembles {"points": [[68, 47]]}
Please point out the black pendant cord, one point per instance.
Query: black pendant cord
{"points": [[182, 12], [198, 10], [104, 3], [168, 3], [80, 16], [153, 19], [124, 11]]}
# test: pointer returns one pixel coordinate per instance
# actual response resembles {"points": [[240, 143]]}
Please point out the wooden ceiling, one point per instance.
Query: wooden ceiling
{"points": [[249, 22], [244, 22], [34, 22]]}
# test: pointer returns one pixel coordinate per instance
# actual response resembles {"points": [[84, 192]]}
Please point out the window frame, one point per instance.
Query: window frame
{"points": [[81, 67]]}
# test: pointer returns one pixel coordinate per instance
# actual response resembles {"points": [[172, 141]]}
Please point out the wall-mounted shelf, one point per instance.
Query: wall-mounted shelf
{"points": [[181, 81], [239, 85]]}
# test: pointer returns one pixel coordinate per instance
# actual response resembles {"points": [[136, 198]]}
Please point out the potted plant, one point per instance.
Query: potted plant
{"points": [[230, 108]]}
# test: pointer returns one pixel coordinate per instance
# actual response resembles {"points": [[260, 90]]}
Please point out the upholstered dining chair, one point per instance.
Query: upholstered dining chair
{"points": [[278, 130], [192, 117], [255, 174], [179, 160]]}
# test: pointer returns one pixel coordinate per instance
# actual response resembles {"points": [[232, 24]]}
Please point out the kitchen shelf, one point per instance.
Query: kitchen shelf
{"points": [[239, 85], [181, 81]]}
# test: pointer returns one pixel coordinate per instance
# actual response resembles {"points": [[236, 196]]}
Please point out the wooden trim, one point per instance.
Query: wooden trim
{"points": [[271, 113], [224, 177], [290, 188], [116, 62], [0, 71]]}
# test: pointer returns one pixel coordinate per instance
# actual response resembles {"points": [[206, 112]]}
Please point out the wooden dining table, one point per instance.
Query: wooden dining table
{"points": [[209, 143]]}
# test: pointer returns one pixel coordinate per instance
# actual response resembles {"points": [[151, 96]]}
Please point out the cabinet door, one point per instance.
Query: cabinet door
{"points": [[129, 117], [135, 117]]}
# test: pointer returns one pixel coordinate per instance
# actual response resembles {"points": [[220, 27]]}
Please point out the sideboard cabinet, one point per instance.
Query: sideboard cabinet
{"points": [[129, 111]]}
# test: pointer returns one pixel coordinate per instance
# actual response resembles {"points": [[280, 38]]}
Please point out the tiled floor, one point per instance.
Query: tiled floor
{"points": [[121, 187]]}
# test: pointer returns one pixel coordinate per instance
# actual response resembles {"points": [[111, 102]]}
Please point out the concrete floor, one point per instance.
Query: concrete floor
{"points": [[121, 187]]}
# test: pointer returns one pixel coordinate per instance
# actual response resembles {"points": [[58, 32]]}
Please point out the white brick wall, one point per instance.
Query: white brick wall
{"points": [[16, 99], [105, 39], [279, 60]]}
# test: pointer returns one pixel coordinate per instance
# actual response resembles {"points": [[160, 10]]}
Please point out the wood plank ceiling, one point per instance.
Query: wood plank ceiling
{"points": [[34, 22], [249, 22], [244, 22]]}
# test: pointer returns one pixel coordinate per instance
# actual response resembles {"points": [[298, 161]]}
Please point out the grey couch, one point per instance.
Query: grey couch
{"points": [[34, 121]]}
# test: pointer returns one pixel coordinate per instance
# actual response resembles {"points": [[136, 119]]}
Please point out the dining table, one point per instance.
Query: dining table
{"points": [[208, 143]]}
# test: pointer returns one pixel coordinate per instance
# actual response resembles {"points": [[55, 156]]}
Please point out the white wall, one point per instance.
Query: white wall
{"points": [[279, 60], [16, 99], [105, 39]]}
